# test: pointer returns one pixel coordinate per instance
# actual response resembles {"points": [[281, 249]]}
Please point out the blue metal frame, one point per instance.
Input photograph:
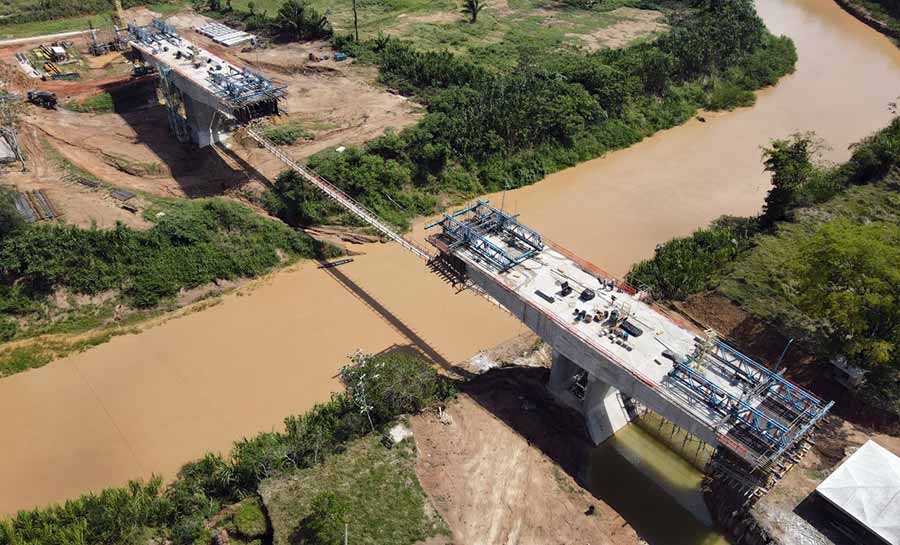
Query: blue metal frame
{"points": [[805, 410], [772, 383], [735, 410], [484, 219]]}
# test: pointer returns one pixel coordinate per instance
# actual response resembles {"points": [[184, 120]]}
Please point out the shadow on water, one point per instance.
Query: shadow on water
{"points": [[625, 472], [618, 472]]}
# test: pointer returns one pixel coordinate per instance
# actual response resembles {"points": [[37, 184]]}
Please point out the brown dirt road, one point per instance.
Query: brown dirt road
{"points": [[491, 484]]}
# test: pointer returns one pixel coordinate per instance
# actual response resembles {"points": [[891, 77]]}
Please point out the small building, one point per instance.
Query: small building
{"points": [[845, 373], [866, 487]]}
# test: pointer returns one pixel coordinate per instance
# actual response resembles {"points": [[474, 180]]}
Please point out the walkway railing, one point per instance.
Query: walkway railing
{"points": [[338, 196]]}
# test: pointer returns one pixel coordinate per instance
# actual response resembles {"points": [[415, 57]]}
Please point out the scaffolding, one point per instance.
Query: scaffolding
{"points": [[241, 93], [473, 227], [770, 417]]}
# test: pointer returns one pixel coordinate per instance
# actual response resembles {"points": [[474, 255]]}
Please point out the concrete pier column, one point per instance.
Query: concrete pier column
{"points": [[599, 403], [203, 120], [604, 411]]}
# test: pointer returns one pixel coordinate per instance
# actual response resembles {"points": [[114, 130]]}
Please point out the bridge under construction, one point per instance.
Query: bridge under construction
{"points": [[613, 350]]}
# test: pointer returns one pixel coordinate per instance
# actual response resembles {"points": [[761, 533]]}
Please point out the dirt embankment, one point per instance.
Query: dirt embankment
{"points": [[480, 466]]}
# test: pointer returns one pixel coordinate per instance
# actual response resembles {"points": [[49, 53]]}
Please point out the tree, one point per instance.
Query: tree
{"points": [[849, 278], [324, 525], [300, 21], [472, 8], [791, 164], [10, 219], [251, 7], [355, 23]]}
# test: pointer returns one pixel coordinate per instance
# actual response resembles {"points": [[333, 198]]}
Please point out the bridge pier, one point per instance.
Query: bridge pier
{"points": [[601, 405], [204, 122]]}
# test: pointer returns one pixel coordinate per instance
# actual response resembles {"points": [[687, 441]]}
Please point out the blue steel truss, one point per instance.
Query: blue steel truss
{"points": [[765, 381], [733, 409], [773, 410], [470, 226], [244, 87]]}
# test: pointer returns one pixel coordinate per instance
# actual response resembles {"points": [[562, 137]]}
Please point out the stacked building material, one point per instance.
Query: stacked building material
{"points": [[35, 206], [225, 35]]}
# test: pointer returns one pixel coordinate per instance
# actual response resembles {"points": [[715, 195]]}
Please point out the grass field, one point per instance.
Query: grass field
{"points": [[379, 486], [439, 24]]}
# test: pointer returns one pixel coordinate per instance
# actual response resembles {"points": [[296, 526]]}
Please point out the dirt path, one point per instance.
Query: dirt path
{"points": [[491, 485]]}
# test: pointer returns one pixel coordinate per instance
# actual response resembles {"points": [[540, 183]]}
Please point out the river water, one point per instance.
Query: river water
{"points": [[146, 403]]}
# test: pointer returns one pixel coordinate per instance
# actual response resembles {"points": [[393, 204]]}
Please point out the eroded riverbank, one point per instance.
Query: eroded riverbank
{"points": [[147, 403]]}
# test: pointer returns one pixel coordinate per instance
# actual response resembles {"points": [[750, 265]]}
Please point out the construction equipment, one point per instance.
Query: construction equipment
{"points": [[141, 70], [44, 99]]}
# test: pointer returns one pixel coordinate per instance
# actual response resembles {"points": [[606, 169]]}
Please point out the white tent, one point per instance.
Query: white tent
{"points": [[867, 488]]}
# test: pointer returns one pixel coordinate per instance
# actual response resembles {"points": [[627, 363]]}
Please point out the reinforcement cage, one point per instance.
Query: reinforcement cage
{"points": [[770, 417], [473, 228]]}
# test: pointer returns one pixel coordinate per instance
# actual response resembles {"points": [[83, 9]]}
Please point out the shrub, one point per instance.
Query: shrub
{"points": [[249, 519], [686, 265], [285, 135], [194, 243], [324, 525]]}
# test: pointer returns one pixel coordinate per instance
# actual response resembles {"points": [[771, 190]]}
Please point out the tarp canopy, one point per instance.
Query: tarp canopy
{"points": [[867, 487]]}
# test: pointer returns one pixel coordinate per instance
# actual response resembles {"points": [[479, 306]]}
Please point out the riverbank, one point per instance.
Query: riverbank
{"points": [[888, 28]]}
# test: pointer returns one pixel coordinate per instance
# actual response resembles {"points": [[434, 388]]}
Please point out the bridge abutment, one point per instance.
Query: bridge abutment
{"points": [[601, 405]]}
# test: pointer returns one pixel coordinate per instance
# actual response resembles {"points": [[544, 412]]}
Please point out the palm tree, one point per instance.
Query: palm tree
{"points": [[472, 8]]}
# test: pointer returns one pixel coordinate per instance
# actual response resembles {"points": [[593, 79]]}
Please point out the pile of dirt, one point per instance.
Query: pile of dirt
{"points": [[479, 463]]}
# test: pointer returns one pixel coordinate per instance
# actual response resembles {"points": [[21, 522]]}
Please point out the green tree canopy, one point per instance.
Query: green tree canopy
{"points": [[300, 21], [790, 163], [324, 525], [850, 278]]}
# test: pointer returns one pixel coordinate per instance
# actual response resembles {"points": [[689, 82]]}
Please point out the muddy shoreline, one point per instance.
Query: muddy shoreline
{"points": [[866, 18]]}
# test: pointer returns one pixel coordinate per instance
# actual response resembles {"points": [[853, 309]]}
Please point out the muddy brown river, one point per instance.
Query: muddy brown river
{"points": [[146, 403]]}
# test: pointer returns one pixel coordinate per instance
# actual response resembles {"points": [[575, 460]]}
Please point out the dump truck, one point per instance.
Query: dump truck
{"points": [[45, 99]]}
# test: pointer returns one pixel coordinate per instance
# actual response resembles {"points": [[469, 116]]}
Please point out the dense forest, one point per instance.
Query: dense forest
{"points": [[821, 261], [379, 389], [489, 127]]}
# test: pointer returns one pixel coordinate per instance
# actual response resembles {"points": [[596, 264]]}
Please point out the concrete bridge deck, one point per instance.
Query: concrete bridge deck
{"points": [[611, 345]]}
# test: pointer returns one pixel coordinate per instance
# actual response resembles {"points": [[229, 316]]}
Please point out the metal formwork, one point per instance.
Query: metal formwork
{"points": [[771, 416], [236, 89], [473, 226]]}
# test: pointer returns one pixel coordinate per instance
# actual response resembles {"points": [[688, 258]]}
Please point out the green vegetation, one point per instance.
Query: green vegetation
{"points": [[23, 18], [370, 488], [249, 520], [472, 8], [193, 243], [286, 134], [886, 12], [821, 261], [97, 104], [60, 279], [490, 128], [327, 520], [300, 21], [141, 511]]}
